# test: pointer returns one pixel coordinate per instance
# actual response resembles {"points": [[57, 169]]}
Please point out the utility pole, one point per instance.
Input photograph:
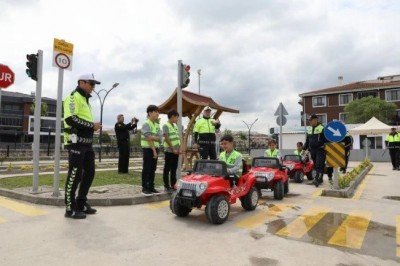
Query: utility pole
{"points": [[199, 73]]}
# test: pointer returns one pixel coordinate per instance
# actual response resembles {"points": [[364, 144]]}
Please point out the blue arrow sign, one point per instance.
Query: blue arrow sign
{"points": [[335, 131]]}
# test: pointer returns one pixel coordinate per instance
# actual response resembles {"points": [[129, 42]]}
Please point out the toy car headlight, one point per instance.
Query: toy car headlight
{"points": [[178, 184], [270, 176], [201, 187]]}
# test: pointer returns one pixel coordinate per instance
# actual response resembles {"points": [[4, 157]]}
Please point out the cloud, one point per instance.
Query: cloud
{"points": [[253, 54]]}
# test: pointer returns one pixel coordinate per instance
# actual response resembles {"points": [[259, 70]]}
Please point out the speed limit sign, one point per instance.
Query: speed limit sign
{"points": [[62, 54]]}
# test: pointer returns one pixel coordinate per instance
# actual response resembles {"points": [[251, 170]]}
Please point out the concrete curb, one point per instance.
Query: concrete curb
{"points": [[349, 191], [34, 198]]}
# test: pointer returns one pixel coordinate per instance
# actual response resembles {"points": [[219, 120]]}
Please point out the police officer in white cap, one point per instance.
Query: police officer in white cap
{"points": [[79, 127]]}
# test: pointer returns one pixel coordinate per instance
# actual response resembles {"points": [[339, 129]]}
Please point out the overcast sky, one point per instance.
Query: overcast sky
{"points": [[253, 54]]}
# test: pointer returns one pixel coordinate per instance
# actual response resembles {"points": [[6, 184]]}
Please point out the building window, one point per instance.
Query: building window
{"points": [[322, 118], [343, 117], [363, 94], [345, 98], [319, 101], [393, 95], [376, 142]]}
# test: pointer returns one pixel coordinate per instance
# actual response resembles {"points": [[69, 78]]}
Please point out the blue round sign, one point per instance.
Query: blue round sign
{"points": [[335, 131]]}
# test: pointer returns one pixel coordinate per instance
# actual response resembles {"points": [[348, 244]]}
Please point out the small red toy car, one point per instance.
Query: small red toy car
{"points": [[298, 168], [210, 185], [269, 174]]}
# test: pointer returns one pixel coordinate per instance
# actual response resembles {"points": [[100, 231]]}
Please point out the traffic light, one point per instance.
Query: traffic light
{"points": [[31, 71], [185, 75]]}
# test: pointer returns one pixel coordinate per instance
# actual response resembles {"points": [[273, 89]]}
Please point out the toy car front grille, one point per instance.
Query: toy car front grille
{"points": [[189, 186]]}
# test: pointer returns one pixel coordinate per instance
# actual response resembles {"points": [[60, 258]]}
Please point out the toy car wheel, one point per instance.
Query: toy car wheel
{"points": [[178, 209], [250, 200], [312, 174], [217, 209], [286, 187], [298, 177], [278, 190]]}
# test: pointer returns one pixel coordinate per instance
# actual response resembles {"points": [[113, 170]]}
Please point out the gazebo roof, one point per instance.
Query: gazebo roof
{"points": [[190, 102]]}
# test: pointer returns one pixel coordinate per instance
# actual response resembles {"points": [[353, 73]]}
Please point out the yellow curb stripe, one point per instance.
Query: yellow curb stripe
{"points": [[261, 217], [361, 187], [317, 193], [305, 222], [351, 232], [398, 235], [2, 220], [157, 205], [20, 207]]}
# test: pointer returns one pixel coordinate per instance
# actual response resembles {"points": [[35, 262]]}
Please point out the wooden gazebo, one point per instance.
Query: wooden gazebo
{"points": [[192, 106]]}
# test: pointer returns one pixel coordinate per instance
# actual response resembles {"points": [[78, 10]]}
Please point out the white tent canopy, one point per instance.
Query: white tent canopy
{"points": [[372, 127]]}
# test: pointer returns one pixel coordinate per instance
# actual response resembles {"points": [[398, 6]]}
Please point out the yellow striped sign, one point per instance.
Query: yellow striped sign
{"points": [[335, 154]]}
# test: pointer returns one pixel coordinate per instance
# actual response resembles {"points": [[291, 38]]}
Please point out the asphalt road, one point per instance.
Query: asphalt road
{"points": [[302, 229]]}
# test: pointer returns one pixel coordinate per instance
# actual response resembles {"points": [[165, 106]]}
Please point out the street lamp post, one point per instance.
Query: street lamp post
{"points": [[249, 126], [101, 111], [199, 73]]}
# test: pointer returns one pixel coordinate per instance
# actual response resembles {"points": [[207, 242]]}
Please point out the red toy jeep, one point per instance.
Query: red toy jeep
{"points": [[269, 174], [210, 185], [298, 168]]}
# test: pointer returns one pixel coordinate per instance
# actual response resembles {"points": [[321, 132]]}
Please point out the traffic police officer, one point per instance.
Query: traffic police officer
{"points": [[122, 134], [78, 138], [348, 142], [393, 143], [315, 143], [172, 145], [150, 142], [204, 134]]}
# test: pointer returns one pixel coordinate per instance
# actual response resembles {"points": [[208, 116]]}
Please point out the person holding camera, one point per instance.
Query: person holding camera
{"points": [[122, 134]]}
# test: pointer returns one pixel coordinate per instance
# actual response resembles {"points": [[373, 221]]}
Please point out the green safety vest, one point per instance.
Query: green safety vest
{"points": [[269, 153], [78, 105], [393, 138], [317, 130], [204, 126], [296, 152], [173, 136], [230, 161], [155, 128]]}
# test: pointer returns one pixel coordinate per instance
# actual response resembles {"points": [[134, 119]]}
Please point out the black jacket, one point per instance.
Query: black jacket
{"points": [[122, 132], [315, 138]]}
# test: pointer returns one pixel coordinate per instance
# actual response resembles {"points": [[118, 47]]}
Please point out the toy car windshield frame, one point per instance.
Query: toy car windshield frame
{"points": [[210, 167], [292, 157], [270, 162]]}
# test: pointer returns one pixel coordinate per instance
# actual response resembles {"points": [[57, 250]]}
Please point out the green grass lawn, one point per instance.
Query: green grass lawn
{"points": [[101, 179]]}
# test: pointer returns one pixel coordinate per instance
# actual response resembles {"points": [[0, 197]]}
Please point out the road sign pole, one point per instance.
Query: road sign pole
{"points": [[280, 127], [57, 144], [179, 107], [36, 136], [335, 178]]}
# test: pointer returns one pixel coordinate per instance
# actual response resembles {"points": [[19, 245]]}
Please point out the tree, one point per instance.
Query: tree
{"points": [[227, 132], [44, 109], [242, 136], [361, 110], [105, 138]]}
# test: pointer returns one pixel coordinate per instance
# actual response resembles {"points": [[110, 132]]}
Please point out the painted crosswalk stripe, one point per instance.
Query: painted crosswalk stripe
{"points": [[305, 222], [351, 232], [20, 207], [398, 235], [261, 217], [157, 205]]}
